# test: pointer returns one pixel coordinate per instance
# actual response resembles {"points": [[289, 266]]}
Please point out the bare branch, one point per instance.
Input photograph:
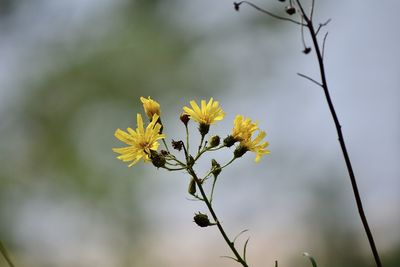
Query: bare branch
{"points": [[323, 45], [237, 5], [312, 9], [322, 25], [309, 78]]}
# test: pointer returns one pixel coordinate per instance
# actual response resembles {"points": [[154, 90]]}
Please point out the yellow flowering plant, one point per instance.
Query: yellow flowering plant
{"points": [[143, 144]]}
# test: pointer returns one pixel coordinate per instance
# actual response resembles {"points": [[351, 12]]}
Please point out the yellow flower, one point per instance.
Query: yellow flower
{"points": [[150, 106], [256, 145], [243, 128], [141, 141], [208, 114], [242, 131]]}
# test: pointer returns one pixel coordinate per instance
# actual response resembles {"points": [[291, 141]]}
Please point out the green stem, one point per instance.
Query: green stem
{"points": [[213, 214], [165, 144], [5, 255], [187, 139], [201, 144]]}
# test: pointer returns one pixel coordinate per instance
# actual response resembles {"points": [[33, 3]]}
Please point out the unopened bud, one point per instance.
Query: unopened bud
{"points": [[202, 220], [236, 6], [290, 10], [240, 151], [307, 50], [164, 152], [216, 168], [214, 141], [204, 128], [158, 160], [229, 141], [184, 118]]}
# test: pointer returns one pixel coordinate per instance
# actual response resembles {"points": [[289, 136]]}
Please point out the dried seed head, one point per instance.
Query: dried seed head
{"points": [[202, 220], [290, 10]]}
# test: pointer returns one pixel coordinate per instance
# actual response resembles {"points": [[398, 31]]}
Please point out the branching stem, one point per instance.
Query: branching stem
{"points": [[313, 33]]}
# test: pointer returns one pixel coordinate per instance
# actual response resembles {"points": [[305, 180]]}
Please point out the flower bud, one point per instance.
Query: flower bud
{"points": [[164, 153], [307, 50], [192, 186], [229, 141], [150, 107], [158, 160], [240, 151], [216, 168], [184, 118], [214, 141], [290, 10], [202, 220], [204, 128], [236, 6]]}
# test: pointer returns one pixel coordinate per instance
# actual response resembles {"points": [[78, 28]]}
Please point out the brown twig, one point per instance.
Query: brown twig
{"points": [[320, 56], [324, 83]]}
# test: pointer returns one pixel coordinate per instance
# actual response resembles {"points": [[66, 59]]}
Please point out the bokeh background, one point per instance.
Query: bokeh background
{"points": [[72, 71]]}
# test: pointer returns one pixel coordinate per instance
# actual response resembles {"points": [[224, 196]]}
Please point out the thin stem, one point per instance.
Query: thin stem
{"points": [[4, 252], [323, 46], [312, 9], [165, 144], [174, 169], [214, 216], [313, 34], [266, 12], [212, 188], [309, 78], [201, 143], [187, 139]]}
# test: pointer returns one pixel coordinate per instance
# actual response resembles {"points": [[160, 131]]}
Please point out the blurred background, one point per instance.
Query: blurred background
{"points": [[72, 71]]}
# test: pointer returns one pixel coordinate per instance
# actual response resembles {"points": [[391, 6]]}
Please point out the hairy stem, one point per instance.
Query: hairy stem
{"points": [[324, 85]]}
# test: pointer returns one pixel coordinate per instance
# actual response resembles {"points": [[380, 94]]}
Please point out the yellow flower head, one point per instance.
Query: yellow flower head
{"points": [[150, 106], [256, 145], [242, 131], [140, 141], [243, 128], [208, 114]]}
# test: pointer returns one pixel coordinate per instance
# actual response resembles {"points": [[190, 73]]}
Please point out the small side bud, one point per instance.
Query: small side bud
{"points": [[192, 186], [214, 141], [240, 151], [307, 50], [202, 220], [236, 6], [204, 129], [216, 168], [157, 159], [290, 10], [177, 145], [164, 153], [184, 118], [229, 141]]}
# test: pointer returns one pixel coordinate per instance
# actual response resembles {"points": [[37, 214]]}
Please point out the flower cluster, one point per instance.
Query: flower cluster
{"points": [[143, 143]]}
